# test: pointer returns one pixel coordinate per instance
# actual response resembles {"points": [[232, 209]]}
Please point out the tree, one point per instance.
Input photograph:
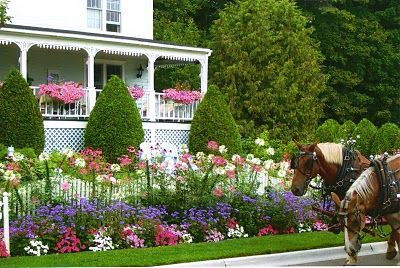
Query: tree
{"points": [[360, 41], [4, 18], [115, 123], [21, 123], [213, 121], [269, 67]]}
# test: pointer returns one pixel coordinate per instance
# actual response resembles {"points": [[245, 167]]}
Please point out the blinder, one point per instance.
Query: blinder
{"points": [[294, 163]]}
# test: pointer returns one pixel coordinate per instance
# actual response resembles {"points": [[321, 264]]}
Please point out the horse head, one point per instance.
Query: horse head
{"points": [[305, 168]]}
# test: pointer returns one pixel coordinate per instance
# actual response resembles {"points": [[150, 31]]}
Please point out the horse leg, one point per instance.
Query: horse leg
{"points": [[391, 250]]}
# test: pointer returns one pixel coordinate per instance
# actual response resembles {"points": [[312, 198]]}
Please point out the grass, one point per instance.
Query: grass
{"points": [[186, 252]]}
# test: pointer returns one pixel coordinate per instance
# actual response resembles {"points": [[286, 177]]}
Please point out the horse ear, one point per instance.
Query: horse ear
{"points": [[297, 144], [335, 199], [312, 147]]}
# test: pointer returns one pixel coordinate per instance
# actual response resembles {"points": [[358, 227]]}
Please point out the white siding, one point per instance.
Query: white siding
{"points": [[136, 16]]}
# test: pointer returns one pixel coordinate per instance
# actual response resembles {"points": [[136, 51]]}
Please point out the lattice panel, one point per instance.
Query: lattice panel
{"points": [[176, 137], [147, 135], [60, 138]]}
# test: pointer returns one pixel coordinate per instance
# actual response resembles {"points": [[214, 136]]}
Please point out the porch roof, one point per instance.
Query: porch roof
{"points": [[11, 29]]}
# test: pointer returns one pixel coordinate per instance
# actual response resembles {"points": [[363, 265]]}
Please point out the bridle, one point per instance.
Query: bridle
{"points": [[344, 214], [294, 164]]}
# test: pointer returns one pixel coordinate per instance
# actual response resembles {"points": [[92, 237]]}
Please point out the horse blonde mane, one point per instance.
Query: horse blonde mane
{"points": [[363, 185], [332, 152]]}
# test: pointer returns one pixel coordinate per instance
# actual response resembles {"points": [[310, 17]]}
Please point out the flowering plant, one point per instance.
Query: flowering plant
{"points": [[181, 94], [136, 91], [66, 92], [36, 247]]}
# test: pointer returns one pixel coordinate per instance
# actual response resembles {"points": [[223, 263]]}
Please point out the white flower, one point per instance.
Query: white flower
{"points": [[18, 157], [113, 180], [44, 156], [236, 158], [222, 149], [115, 168], [200, 155], [281, 173], [80, 162], [187, 238], [230, 166], [268, 164], [270, 151], [68, 152], [220, 171], [249, 157], [259, 142]]}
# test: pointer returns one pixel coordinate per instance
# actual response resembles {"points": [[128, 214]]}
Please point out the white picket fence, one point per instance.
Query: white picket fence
{"points": [[4, 214]]}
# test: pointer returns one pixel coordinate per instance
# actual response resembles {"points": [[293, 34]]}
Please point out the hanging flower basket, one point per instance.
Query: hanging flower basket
{"points": [[136, 91], [181, 96], [67, 92]]}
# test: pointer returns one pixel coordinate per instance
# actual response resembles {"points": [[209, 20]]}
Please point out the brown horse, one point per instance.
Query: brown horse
{"points": [[375, 192], [337, 166]]}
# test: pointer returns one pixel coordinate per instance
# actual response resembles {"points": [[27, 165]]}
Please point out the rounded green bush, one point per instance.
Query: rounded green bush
{"points": [[346, 130], [328, 131], [115, 123], [213, 121], [21, 123], [387, 139], [365, 133]]}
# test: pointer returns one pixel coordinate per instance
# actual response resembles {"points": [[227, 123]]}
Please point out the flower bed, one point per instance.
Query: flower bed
{"points": [[81, 202]]}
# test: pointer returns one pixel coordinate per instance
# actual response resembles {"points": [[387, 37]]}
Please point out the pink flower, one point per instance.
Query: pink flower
{"points": [[267, 230], [218, 161], [65, 186], [124, 160], [181, 96], [218, 192], [212, 145], [230, 174], [68, 92], [232, 223], [136, 92]]}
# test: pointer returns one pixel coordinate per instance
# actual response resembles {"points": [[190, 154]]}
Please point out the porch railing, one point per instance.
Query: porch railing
{"points": [[164, 110]]}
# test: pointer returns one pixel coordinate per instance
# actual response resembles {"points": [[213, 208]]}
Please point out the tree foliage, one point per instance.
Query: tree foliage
{"points": [[213, 121], [328, 131], [365, 132], [360, 42], [269, 67], [4, 18], [346, 130], [114, 123], [21, 123]]}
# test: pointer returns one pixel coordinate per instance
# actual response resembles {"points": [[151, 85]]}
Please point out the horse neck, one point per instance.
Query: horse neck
{"points": [[327, 171], [372, 199]]}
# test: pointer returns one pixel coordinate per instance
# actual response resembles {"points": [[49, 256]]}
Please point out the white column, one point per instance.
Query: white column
{"points": [[204, 75], [90, 69], [152, 96], [6, 221], [23, 62]]}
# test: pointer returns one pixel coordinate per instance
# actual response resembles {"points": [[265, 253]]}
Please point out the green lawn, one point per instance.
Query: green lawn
{"points": [[186, 252]]}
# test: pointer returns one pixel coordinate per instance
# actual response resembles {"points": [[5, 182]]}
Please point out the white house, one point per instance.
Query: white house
{"points": [[86, 41]]}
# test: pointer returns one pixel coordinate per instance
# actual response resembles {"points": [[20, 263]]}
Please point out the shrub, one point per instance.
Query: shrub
{"points": [[21, 123], [346, 130], [366, 131], [387, 139], [214, 122], [115, 123], [328, 131]]}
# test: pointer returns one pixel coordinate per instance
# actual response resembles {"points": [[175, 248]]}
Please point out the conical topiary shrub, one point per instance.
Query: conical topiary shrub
{"points": [[365, 132], [346, 130], [214, 122], [21, 123], [387, 139], [115, 123], [328, 131]]}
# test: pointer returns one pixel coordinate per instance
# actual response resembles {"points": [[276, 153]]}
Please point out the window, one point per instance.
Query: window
{"points": [[112, 14], [103, 72], [94, 14]]}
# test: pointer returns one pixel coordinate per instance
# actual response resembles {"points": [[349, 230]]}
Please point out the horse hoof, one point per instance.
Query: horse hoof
{"points": [[351, 261], [390, 255]]}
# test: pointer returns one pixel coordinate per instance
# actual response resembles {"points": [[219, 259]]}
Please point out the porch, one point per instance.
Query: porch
{"points": [[90, 59]]}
